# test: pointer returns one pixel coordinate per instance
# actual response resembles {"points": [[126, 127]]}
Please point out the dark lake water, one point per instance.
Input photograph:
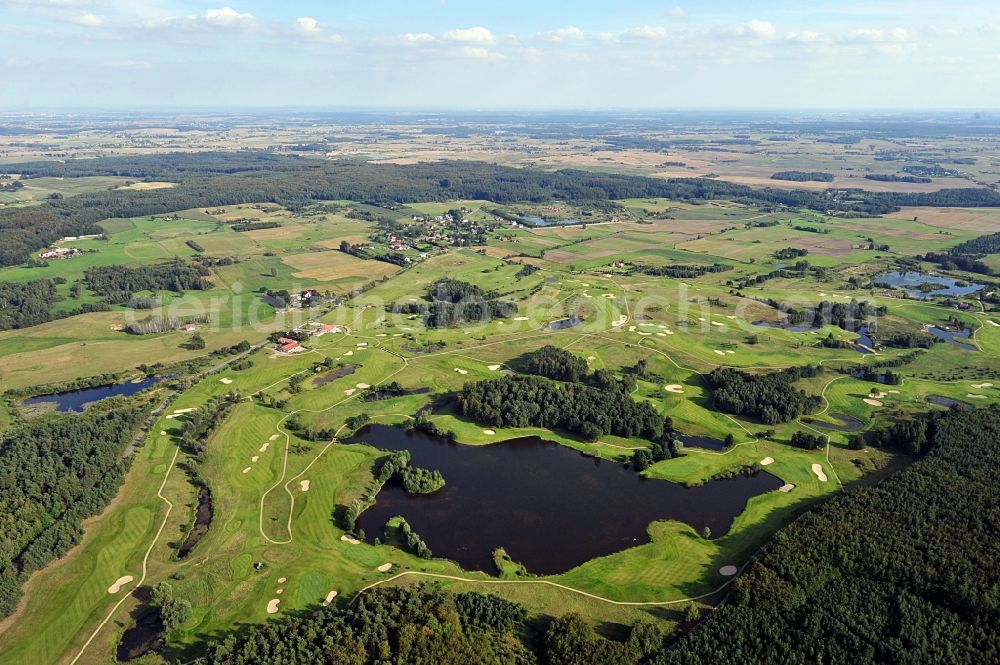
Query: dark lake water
{"points": [[909, 281], [847, 423], [75, 401], [538, 221], [953, 337], [562, 324], [947, 402], [706, 442], [864, 343], [549, 506]]}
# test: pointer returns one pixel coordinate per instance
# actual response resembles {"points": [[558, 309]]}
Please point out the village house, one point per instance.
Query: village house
{"points": [[189, 327]]}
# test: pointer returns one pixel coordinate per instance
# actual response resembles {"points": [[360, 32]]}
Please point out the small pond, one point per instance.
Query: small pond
{"points": [[911, 281], [706, 442], [953, 337], [569, 322], [539, 221], [549, 506], [847, 423], [75, 401], [947, 402]]}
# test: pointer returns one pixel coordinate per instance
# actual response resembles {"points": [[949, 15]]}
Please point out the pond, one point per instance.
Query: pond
{"points": [[569, 322], [912, 281], [947, 402], [75, 401], [847, 423], [539, 221], [706, 442], [549, 506], [864, 343], [952, 337]]}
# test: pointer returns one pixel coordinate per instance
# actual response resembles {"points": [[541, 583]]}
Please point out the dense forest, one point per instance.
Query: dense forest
{"points": [[116, 284], [771, 397], [453, 302], [968, 255], [24, 304], [682, 271], [55, 472], [553, 363], [803, 176], [905, 571], [532, 401], [216, 179]]}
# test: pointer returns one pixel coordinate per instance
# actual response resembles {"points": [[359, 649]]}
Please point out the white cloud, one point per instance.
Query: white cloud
{"points": [[312, 30], [677, 12], [476, 35], [88, 20], [646, 32], [223, 18], [756, 29], [805, 37], [307, 25], [417, 38], [568, 34], [878, 36], [226, 16], [477, 53]]}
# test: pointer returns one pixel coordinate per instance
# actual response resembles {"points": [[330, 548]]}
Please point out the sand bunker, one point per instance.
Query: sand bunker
{"points": [[385, 567], [304, 485], [674, 388], [644, 334], [767, 461], [255, 458], [730, 352], [329, 598], [716, 323], [119, 583], [163, 432], [786, 488], [381, 335], [187, 410], [349, 353], [872, 402], [263, 448], [461, 371], [225, 381], [349, 539], [972, 396], [620, 321], [982, 385], [493, 368], [993, 323], [279, 591], [608, 295], [349, 391], [274, 437], [272, 606], [362, 386], [282, 580], [661, 334], [520, 318], [246, 470], [818, 470], [721, 353], [489, 432], [728, 571], [170, 416], [631, 328]]}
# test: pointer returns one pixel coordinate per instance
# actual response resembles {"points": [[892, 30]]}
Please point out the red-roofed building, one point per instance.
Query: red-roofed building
{"points": [[285, 340], [290, 346], [326, 328]]}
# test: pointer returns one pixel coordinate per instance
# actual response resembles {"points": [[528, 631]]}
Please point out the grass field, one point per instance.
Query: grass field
{"points": [[264, 513]]}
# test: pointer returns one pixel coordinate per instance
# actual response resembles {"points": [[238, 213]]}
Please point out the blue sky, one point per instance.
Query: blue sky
{"points": [[474, 54]]}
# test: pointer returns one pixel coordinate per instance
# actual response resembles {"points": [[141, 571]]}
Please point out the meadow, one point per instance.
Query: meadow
{"points": [[274, 534]]}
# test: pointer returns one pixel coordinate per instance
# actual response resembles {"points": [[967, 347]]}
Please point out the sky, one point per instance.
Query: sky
{"points": [[492, 54]]}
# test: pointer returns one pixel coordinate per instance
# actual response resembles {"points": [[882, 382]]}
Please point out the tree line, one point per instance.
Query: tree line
{"points": [[219, 179], [55, 472]]}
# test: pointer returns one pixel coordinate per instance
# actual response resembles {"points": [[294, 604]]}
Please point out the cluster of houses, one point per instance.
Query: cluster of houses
{"points": [[311, 328], [59, 252]]}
